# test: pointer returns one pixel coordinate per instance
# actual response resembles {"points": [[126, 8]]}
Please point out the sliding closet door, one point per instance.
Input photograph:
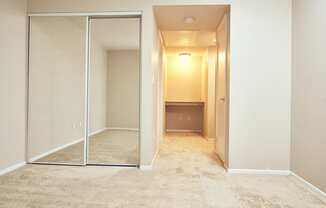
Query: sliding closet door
{"points": [[56, 127], [114, 91]]}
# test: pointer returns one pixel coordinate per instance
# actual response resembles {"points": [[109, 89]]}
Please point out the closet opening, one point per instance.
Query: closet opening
{"points": [[193, 87], [84, 89]]}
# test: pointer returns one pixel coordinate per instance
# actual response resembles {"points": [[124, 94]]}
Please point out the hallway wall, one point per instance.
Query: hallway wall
{"points": [[211, 92], [260, 53], [184, 78], [13, 44], [308, 91]]}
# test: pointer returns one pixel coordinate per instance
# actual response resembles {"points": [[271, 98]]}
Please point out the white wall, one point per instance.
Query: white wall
{"points": [[260, 89], [308, 91], [123, 89], [260, 75], [13, 31]]}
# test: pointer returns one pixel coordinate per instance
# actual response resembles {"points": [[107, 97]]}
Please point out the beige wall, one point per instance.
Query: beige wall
{"points": [[188, 118], [260, 89], [260, 53], [211, 88], [184, 82], [98, 82], [123, 89], [157, 102], [222, 89], [56, 83], [308, 155], [13, 31], [192, 80], [204, 92]]}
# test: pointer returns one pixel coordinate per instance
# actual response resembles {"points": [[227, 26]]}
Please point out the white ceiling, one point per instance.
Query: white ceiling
{"points": [[200, 33], [116, 33], [189, 38], [206, 17]]}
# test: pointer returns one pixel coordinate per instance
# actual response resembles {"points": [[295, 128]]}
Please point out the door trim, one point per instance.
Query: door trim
{"points": [[88, 14]]}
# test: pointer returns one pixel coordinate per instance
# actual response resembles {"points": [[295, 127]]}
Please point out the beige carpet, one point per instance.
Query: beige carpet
{"points": [[186, 175], [107, 147]]}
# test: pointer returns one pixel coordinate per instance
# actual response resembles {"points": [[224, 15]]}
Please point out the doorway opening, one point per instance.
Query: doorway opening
{"points": [[193, 86]]}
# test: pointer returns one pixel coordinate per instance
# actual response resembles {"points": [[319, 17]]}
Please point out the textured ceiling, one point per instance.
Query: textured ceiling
{"points": [[172, 17]]}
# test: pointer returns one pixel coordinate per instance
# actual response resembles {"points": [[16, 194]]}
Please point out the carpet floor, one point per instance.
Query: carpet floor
{"points": [[107, 147], [186, 174]]}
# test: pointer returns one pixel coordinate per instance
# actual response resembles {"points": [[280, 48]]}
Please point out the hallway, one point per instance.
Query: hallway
{"points": [[186, 174]]}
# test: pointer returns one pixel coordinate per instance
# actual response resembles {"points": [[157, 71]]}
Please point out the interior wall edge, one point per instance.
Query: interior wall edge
{"points": [[150, 166], [308, 91], [13, 62], [320, 193]]}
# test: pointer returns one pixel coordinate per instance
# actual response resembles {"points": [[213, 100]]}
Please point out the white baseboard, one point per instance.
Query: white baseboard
{"points": [[320, 193], [183, 131], [78, 140], [258, 172], [33, 159], [122, 129], [146, 167], [12, 168], [98, 131], [149, 167]]}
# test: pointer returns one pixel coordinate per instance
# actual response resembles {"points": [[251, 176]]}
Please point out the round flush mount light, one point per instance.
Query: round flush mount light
{"points": [[184, 58], [184, 54], [189, 20]]}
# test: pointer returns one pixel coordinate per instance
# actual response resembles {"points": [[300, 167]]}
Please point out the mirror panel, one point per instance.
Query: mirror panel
{"points": [[114, 91], [56, 130]]}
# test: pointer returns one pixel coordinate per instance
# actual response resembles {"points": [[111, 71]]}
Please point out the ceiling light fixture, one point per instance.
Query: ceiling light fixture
{"points": [[185, 54], [184, 58], [189, 20]]}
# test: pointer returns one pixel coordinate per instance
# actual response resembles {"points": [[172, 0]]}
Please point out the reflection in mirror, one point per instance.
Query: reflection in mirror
{"points": [[57, 90], [114, 91]]}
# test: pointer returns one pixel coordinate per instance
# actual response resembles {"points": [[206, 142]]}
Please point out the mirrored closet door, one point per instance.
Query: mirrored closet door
{"points": [[56, 102], [84, 90], [114, 91]]}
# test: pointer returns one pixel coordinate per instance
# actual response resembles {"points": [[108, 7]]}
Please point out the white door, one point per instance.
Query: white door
{"points": [[221, 91]]}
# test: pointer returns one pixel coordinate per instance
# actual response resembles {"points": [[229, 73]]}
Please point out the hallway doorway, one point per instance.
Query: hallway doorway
{"points": [[193, 82]]}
